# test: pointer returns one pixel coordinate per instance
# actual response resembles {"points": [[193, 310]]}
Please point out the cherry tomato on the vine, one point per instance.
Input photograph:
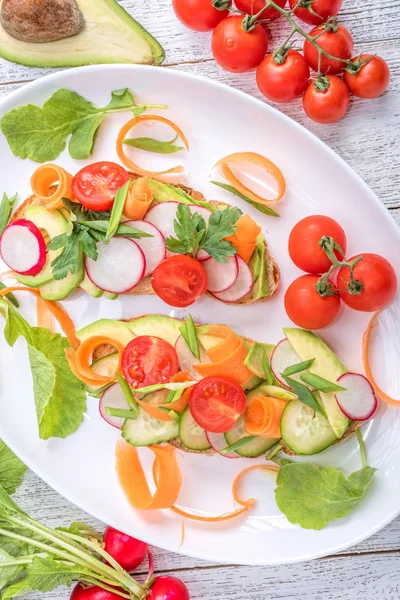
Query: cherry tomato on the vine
{"points": [[371, 80], [337, 42], [321, 10], [252, 7], [329, 105], [168, 588], [306, 308], [235, 49], [199, 15], [282, 82]]}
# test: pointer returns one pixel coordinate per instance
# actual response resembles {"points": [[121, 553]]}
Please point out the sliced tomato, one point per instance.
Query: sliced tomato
{"points": [[216, 403], [148, 360], [95, 186], [179, 280]]}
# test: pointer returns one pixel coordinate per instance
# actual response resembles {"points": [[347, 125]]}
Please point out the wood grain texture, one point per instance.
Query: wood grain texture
{"points": [[368, 139]]}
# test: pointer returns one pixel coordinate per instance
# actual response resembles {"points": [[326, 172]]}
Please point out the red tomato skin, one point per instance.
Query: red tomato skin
{"points": [[305, 307], [379, 279], [371, 81], [127, 551], [338, 43], [231, 400], [144, 351], [84, 185], [92, 593], [252, 7], [235, 49], [198, 15], [179, 280], [283, 82], [328, 106], [303, 245], [168, 588], [323, 8]]}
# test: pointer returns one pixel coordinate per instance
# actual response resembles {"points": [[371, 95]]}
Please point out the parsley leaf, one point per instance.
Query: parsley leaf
{"points": [[11, 469], [220, 226], [89, 245], [68, 260]]}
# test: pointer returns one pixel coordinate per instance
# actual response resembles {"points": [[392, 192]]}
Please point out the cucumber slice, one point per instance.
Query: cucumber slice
{"points": [[107, 365], [192, 436], [304, 430], [252, 449], [146, 430]]}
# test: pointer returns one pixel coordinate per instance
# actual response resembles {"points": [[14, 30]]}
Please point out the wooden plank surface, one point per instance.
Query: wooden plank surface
{"points": [[369, 140]]}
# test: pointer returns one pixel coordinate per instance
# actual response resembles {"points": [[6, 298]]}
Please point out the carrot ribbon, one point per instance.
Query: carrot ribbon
{"points": [[263, 416], [43, 181], [245, 237], [138, 200], [80, 360]]}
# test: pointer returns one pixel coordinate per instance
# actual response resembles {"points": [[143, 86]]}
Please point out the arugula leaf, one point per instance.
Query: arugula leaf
{"points": [[304, 394], [116, 213], [312, 496], [151, 145], [298, 367], [321, 384], [6, 206], [41, 133], [221, 225], [266, 210], [189, 334], [11, 469], [60, 397]]}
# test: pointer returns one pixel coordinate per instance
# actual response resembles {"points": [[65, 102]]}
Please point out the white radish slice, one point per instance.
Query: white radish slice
{"points": [[162, 215], [153, 248], [113, 397], [186, 358], [120, 266], [203, 256], [218, 442], [221, 276], [23, 248], [204, 212], [282, 357], [358, 402], [242, 285]]}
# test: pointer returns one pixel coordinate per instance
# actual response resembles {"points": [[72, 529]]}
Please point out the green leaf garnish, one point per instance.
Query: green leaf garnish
{"points": [[266, 365], [175, 386], [266, 210], [298, 368], [128, 395], [116, 212], [6, 206], [122, 230], [151, 145], [172, 413], [11, 470], [321, 384], [242, 442], [119, 412], [9, 296], [304, 394], [189, 334]]}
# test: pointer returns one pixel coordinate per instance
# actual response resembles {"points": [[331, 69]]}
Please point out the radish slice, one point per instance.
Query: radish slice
{"points": [[114, 398], [242, 285], [282, 357], [162, 215], [153, 248], [23, 248], [204, 212], [218, 442], [203, 256], [221, 276], [358, 402], [186, 358], [120, 266]]}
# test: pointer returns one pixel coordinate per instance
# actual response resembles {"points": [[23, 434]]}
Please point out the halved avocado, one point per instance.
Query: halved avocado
{"points": [[110, 35]]}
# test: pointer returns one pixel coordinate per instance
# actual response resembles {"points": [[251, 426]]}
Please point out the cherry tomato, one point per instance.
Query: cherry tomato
{"points": [[238, 50], [306, 308], [372, 79], [179, 280], [216, 403], [327, 106], [147, 360], [252, 7], [127, 551], [338, 43], [323, 9], [168, 588], [93, 592], [95, 186], [286, 81], [378, 278], [199, 15], [304, 249]]}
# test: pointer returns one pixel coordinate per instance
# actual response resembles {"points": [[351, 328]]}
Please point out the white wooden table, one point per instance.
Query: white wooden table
{"points": [[368, 139]]}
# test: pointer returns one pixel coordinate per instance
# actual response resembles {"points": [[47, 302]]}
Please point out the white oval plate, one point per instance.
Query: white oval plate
{"points": [[217, 120]]}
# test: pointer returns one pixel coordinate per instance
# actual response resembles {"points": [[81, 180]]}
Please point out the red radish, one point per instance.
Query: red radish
{"points": [[203, 256], [187, 360], [282, 357], [162, 215], [168, 588], [358, 402], [120, 266], [22, 247], [92, 592], [221, 276], [153, 248], [242, 285], [217, 442], [201, 210], [114, 398], [126, 550]]}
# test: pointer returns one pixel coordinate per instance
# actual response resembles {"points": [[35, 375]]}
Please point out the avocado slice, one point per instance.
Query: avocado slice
{"points": [[90, 288], [110, 35], [307, 345], [116, 330], [259, 268], [255, 356], [160, 326]]}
